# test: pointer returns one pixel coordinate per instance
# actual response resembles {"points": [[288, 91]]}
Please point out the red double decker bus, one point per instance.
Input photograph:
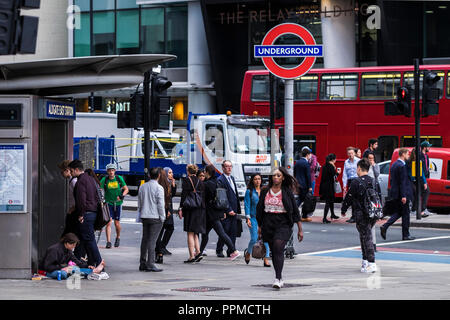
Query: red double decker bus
{"points": [[338, 108]]}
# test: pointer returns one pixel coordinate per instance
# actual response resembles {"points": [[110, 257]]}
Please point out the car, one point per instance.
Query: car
{"points": [[383, 178]]}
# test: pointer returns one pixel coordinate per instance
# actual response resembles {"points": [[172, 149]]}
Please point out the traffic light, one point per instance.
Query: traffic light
{"points": [[279, 98], [160, 103], [18, 34], [430, 94], [400, 107], [137, 111]]}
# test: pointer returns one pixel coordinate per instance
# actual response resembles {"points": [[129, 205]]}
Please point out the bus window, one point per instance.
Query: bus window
{"points": [[214, 139], [448, 170], [339, 86], [408, 81], [260, 88], [386, 146], [379, 86], [448, 84], [302, 141], [305, 88], [410, 141]]}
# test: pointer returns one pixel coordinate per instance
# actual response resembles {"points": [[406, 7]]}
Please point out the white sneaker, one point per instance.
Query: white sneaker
{"points": [[428, 212], [281, 283], [276, 284], [364, 265], [412, 213], [371, 268]]}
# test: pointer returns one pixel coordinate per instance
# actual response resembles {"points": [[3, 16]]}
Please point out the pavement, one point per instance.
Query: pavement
{"points": [[405, 274]]}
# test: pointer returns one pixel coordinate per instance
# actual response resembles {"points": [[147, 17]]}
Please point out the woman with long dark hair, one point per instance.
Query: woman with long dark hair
{"points": [[251, 200], [276, 213], [168, 183], [326, 190]]}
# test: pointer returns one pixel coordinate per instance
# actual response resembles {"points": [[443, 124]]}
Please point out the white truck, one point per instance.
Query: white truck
{"points": [[213, 138]]}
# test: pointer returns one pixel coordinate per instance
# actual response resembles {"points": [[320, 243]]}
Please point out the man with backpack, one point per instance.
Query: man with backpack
{"points": [[115, 190], [366, 204]]}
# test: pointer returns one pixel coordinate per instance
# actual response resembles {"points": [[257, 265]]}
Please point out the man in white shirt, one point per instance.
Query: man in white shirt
{"points": [[350, 173]]}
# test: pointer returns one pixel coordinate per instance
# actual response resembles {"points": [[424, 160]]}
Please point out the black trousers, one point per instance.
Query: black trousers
{"points": [[365, 237], [401, 211], [230, 226], [218, 228], [164, 237]]}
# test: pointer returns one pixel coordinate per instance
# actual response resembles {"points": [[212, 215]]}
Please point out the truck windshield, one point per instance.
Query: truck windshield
{"points": [[249, 140]]}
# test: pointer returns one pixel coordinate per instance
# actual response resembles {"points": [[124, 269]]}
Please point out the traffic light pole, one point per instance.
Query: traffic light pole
{"points": [[418, 199], [147, 125]]}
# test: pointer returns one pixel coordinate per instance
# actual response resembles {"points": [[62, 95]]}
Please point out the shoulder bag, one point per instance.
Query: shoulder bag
{"points": [[103, 215], [193, 200]]}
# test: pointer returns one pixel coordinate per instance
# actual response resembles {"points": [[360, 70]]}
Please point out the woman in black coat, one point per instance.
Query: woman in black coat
{"points": [[195, 218], [326, 190], [276, 213], [213, 215]]}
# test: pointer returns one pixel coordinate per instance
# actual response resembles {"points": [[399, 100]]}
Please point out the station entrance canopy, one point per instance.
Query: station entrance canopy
{"points": [[77, 75]]}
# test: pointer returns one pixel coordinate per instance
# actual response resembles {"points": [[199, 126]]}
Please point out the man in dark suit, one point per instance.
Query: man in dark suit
{"points": [[226, 180], [401, 192], [302, 173]]}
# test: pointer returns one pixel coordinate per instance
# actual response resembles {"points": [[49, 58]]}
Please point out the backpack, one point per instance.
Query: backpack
{"points": [[371, 205], [220, 201], [317, 169]]}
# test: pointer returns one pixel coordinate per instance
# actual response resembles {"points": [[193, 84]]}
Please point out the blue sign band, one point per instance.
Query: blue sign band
{"points": [[59, 110], [288, 51]]}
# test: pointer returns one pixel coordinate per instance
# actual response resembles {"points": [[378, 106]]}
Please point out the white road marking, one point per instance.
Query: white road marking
{"points": [[378, 245]]}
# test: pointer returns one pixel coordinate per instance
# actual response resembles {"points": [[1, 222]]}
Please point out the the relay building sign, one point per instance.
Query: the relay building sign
{"points": [[267, 51]]}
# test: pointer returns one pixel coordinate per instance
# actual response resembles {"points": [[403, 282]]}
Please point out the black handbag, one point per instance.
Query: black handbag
{"points": [[309, 205], [259, 250], [103, 215], [194, 199]]}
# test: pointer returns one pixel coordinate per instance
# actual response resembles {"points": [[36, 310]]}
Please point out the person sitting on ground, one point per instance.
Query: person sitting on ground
{"points": [[58, 258]]}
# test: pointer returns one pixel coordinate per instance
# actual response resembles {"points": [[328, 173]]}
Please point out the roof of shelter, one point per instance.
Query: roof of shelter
{"points": [[77, 75]]}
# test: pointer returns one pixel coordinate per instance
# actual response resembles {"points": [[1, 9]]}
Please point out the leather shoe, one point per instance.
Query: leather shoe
{"points": [[383, 232], [166, 252], [351, 220], [142, 267], [408, 238], [220, 255], [246, 256], [326, 221], [153, 268]]}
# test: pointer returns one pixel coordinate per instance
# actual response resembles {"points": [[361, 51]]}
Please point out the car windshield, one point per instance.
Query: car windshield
{"points": [[249, 140]]}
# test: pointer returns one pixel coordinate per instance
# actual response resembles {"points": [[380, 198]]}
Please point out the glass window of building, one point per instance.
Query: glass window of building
{"points": [[152, 30], [98, 5], [176, 28], [85, 5], [305, 88], [260, 88], [82, 37], [127, 36], [103, 33], [126, 4], [339, 86], [379, 86], [408, 81]]}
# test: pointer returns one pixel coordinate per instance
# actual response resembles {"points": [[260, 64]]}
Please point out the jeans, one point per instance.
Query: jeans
{"points": [[230, 226], [254, 237], [88, 243], [218, 228], [365, 237], [150, 232]]}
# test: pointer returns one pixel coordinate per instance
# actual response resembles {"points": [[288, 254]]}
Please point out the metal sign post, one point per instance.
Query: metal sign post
{"points": [[289, 125], [147, 125], [418, 200]]}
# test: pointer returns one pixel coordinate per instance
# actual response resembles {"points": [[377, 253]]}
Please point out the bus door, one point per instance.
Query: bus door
{"points": [[386, 146], [213, 143]]}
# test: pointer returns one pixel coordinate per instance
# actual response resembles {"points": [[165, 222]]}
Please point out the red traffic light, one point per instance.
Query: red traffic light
{"points": [[403, 93]]}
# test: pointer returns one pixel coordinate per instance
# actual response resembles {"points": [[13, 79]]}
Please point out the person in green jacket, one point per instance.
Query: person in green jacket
{"points": [[115, 190]]}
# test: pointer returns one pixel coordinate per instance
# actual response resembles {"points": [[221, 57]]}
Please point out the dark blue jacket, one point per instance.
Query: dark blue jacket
{"points": [[302, 173], [399, 181], [233, 198]]}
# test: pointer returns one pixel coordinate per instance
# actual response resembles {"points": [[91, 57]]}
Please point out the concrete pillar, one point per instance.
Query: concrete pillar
{"points": [[199, 65], [338, 33]]}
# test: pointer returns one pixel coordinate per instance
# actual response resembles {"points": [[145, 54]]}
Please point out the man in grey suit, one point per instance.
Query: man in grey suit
{"points": [[152, 213]]}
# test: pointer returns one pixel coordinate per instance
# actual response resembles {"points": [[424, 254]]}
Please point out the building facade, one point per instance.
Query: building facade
{"points": [[214, 40]]}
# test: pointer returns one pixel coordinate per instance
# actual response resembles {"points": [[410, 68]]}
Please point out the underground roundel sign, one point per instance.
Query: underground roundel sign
{"points": [[267, 51]]}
